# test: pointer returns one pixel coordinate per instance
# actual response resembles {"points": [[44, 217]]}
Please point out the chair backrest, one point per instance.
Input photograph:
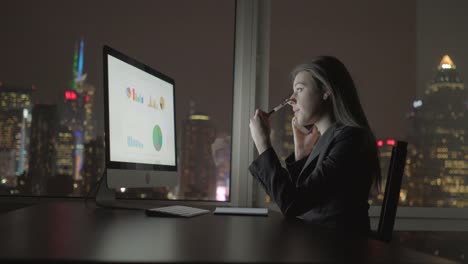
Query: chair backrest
{"points": [[392, 191]]}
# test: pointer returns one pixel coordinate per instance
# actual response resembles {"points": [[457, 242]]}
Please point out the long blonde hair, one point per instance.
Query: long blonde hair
{"points": [[330, 75]]}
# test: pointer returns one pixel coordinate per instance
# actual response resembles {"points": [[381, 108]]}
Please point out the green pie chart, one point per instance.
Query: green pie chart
{"points": [[157, 138]]}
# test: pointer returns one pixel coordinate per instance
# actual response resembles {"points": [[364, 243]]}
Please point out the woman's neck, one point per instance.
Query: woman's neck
{"points": [[324, 123]]}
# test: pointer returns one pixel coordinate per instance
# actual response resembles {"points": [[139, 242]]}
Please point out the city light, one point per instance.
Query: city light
{"points": [[171, 196], [80, 61], [199, 117], [221, 193], [417, 103], [70, 95], [4, 181], [390, 142], [446, 63], [379, 143], [25, 113]]}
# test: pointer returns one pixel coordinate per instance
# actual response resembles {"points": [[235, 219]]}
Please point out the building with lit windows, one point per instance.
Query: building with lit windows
{"points": [[94, 164], [221, 150], [413, 183], [42, 152], [438, 132], [77, 112], [198, 170], [65, 149], [15, 124]]}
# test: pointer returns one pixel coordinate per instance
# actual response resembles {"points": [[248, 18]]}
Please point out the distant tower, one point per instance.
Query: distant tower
{"points": [[94, 164], [77, 114], [86, 93], [439, 129], [65, 149], [198, 171], [42, 150], [15, 124], [221, 151]]}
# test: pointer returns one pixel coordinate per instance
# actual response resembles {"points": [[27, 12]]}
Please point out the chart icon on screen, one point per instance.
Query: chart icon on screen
{"points": [[162, 103], [157, 138]]}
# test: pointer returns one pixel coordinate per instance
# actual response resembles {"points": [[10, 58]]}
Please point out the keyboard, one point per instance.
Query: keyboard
{"points": [[175, 211], [241, 211]]}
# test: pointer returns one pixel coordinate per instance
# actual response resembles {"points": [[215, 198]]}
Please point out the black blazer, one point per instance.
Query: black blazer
{"points": [[331, 186]]}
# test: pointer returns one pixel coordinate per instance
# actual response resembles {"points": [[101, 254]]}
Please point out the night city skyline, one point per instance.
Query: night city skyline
{"points": [[388, 82], [165, 45], [428, 39]]}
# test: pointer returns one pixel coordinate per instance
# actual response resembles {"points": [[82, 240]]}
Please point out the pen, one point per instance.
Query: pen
{"points": [[285, 102]]}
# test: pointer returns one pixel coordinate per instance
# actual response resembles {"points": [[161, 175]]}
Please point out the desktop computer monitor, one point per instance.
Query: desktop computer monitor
{"points": [[140, 126]]}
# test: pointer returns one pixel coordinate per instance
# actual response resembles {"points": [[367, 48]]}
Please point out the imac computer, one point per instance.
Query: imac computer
{"points": [[140, 126]]}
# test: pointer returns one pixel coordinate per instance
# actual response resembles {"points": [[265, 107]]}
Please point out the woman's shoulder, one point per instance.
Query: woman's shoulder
{"points": [[342, 128], [348, 131]]}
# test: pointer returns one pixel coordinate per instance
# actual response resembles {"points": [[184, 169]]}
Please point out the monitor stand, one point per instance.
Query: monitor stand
{"points": [[105, 197]]}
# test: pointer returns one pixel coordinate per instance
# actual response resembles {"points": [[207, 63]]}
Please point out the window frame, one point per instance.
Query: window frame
{"points": [[243, 107], [407, 218]]}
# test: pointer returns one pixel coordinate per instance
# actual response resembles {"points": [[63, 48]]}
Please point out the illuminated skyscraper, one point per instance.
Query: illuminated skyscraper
{"points": [[440, 123], [94, 164], [42, 150], [15, 124], [77, 112], [198, 170], [221, 150], [65, 149]]}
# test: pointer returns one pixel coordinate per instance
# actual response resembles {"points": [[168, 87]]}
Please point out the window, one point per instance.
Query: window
{"points": [[51, 124], [407, 59]]}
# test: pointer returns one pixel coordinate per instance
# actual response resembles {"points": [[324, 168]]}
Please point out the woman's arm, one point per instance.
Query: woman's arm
{"points": [[292, 171], [343, 160]]}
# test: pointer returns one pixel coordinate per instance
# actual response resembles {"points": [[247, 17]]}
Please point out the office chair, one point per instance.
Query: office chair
{"points": [[392, 192]]}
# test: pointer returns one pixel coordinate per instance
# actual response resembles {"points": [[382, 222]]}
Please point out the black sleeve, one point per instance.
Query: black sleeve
{"points": [[345, 155], [269, 156], [294, 167]]}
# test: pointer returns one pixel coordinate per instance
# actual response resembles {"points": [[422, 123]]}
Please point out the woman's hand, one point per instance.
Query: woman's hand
{"points": [[304, 141], [260, 130]]}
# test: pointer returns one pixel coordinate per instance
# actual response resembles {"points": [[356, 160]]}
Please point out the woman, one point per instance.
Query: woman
{"points": [[328, 177]]}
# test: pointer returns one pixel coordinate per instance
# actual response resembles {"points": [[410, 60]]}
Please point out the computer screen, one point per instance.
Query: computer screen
{"points": [[140, 129]]}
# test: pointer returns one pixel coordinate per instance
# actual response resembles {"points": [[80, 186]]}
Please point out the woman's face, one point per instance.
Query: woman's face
{"points": [[307, 100]]}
